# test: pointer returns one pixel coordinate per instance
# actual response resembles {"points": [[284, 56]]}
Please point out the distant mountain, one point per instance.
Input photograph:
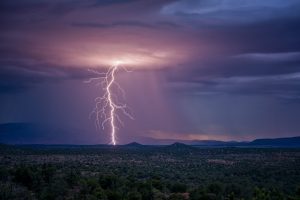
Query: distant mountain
{"points": [[153, 141], [12, 133], [213, 143], [31, 133], [133, 144], [28, 133], [278, 142], [177, 146]]}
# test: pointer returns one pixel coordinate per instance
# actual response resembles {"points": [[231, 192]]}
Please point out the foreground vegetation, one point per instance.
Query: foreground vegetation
{"points": [[148, 173]]}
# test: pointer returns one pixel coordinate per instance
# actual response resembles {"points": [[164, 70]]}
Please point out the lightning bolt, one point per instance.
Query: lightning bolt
{"points": [[108, 105]]}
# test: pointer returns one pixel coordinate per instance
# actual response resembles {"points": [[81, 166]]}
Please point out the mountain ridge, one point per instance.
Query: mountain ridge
{"points": [[284, 142], [28, 133]]}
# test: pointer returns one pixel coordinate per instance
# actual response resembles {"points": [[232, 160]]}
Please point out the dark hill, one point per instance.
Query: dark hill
{"points": [[133, 144], [180, 147], [284, 142]]}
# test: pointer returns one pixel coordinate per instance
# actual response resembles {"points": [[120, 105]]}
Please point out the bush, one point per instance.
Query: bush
{"points": [[178, 188]]}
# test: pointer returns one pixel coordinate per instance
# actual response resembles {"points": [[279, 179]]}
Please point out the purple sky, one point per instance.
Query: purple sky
{"points": [[201, 69]]}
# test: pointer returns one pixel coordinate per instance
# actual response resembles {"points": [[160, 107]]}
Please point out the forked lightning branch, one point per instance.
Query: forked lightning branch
{"points": [[110, 105]]}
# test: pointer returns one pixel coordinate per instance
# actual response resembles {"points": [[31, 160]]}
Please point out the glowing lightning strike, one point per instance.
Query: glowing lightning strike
{"points": [[107, 105], [112, 106]]}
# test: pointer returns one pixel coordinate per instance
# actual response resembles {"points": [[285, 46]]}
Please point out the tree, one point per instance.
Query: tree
{"points": [[215, 188], [134, 196], [261, 194], [176, 197], [178, 188], [24, 176]]}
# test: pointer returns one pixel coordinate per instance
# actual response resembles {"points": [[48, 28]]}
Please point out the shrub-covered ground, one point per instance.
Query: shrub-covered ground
{"points": [[148, 172]]}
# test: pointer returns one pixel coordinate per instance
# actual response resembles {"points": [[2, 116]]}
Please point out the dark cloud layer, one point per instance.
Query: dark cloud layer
{"points": [[276, 33], [233, 12]]}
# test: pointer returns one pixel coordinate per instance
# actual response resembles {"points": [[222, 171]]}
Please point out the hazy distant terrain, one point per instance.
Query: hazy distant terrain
{"points": [[136, 171], [26, 133]]}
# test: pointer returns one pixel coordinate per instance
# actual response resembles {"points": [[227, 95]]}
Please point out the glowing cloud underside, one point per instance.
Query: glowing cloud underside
{"points": [[108, 105]]}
